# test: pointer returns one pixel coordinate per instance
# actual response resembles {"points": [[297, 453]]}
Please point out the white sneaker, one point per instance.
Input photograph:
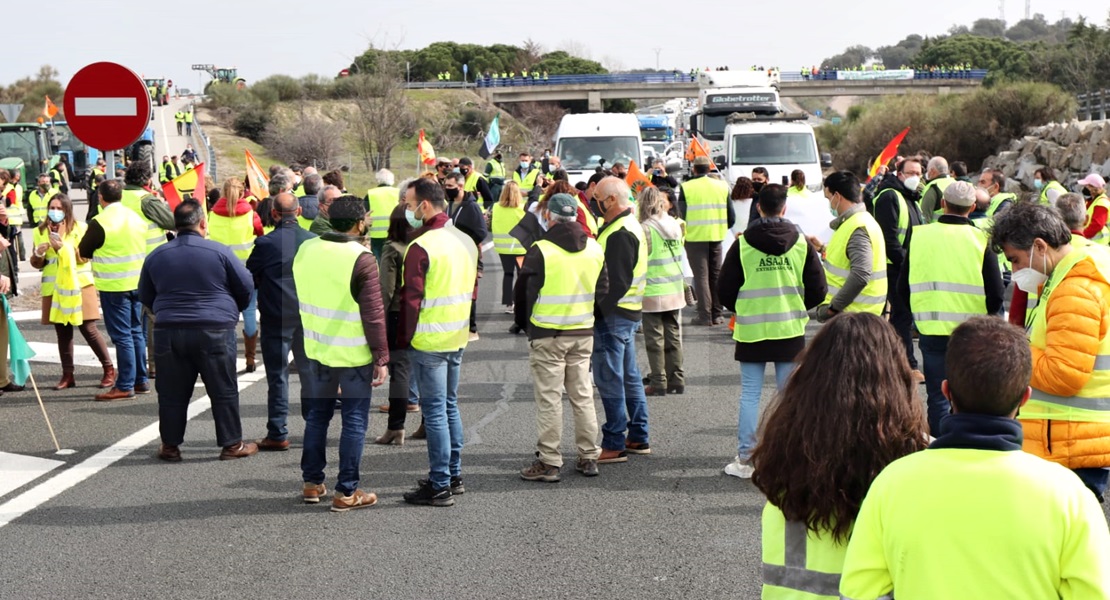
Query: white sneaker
{"points": [[739, 468], [509, 309]]}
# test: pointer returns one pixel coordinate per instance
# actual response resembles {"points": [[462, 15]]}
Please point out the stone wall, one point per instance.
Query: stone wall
{"points": [[1072, 149]]}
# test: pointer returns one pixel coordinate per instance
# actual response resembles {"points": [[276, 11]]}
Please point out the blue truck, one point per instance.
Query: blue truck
{"points": [[656, 128]]}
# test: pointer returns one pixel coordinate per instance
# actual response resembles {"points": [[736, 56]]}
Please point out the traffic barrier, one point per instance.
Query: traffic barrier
{"points": [[200, 140]]}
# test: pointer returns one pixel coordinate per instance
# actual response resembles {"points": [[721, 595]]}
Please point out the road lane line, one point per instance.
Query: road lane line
{"points": [[51, 488], [502, 406], [17, 470]]}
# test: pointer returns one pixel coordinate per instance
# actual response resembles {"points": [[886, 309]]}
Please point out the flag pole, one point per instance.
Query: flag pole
{"points": [[44, 415]]}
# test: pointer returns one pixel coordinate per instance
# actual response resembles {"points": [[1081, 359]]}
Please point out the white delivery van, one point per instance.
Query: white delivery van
{"points": [[779, 144], [586, 141]]}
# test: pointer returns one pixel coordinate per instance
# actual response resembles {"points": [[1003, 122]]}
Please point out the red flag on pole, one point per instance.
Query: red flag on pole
{"points": [[49, 109], [190, 183], [427, 153], [889, 152]]}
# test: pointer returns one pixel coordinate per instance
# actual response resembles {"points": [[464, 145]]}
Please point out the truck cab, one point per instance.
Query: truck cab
{"points": [[588, 141], [27, 142], [780, 144], [722, 93]]}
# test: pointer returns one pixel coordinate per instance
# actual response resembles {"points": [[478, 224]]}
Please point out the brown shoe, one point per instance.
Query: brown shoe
{"points": [[612, 456], [115, 394], [109, 378], [359, 499], [312, 492], [249, 346], [419, 434], [272, 445], [392, 437], [169, 453], [240, 450], [66, 382], [637, 448], [651, 390], [142, 388], [412, 408]]}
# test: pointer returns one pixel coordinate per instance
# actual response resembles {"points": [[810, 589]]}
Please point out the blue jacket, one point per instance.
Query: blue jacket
{"points": [[310, 206], [194, 283], [271, 263]]}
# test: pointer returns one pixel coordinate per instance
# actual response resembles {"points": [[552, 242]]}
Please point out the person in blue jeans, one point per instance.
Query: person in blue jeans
{"points": [[771, 275], [618, 314], [271, 263], [341, 311]]}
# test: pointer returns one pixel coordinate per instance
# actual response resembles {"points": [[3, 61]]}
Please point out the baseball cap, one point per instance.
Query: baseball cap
{"points": [[960, 193], [563, 205], [701, 161], [1094, 180]]}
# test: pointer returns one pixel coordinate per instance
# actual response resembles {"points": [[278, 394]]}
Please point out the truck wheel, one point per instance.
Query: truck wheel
{"points": [[145, 152]]}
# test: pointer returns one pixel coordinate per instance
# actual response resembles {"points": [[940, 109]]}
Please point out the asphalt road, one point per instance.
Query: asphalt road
{"points": [[111, 521]]}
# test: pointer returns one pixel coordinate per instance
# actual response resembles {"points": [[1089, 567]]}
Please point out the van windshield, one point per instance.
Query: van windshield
{"points": [[773, 149], [588, 152]]}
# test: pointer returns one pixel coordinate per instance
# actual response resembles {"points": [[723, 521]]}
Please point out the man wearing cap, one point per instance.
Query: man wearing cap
{"points": [[704, 204], [954, 276], [1098, 209], [554, 299]]}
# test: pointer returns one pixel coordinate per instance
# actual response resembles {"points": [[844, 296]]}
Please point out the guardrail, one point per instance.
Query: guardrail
{"points": [[1094, 106], [200, 140], [671, 78]]}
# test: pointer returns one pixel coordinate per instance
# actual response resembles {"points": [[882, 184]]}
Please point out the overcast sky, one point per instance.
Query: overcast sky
{"points": [[284, 37]]}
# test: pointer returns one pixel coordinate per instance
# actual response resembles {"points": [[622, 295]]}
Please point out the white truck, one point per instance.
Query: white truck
{"points": [[722, 93], [780, 144], [587, 141]]}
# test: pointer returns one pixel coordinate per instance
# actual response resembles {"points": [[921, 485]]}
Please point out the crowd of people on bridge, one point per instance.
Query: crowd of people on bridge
{"points": [[357, 291]]}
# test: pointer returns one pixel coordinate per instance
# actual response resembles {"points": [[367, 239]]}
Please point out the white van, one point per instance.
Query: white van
{"points": [[780, 145], [587, 141]]}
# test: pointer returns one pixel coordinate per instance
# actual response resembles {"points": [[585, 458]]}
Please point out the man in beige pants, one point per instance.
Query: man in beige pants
{"points": [[554, 300]]}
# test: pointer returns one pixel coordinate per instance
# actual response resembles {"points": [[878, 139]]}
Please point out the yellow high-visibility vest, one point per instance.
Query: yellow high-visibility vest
{"points": [[444, 321], [837, 266], [333, 331], [946, 276], [502, 222], [155, 235], [566, 300], [382, 200], [116, 265], [798, 564], [706, 209], [235, 232], [40, 202], [771, 303], [634, 298]]}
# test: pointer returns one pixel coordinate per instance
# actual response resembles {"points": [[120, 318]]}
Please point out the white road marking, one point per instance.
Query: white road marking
{"points": [[46, 352], [17, 470], [51, 488], [105, 107]]}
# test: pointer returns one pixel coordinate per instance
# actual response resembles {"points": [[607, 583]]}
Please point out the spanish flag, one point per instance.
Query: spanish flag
{"points": [[188, 184], [888, 153], [257, 181], [427, 153]]}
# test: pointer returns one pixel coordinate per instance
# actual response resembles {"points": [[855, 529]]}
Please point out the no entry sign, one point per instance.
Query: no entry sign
{"points": [[107, 106]]}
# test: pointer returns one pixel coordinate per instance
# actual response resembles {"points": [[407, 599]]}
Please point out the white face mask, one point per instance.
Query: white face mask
{"points": [[1029, 280], [911, 182]]}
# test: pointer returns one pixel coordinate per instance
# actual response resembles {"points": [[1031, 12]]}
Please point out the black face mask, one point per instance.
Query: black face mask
{"points": [[757, 185], [1087, 193], [452, 194], [464, 171]]}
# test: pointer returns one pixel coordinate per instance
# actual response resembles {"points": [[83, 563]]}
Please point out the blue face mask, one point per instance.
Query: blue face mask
{"points": [[1038, 184], [525, 164], [55, 216], [410, 216]]}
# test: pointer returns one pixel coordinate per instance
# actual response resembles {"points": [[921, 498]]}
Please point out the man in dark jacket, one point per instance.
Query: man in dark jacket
{"points": [[196, 289], [271, 264], [310, 204], [897, 212], [467, 217], [561, 334], [769, 237]]}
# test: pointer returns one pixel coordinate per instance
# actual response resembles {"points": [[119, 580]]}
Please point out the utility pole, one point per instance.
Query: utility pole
{"points": [[1002, 10], [1028, 9], [657, 51]]}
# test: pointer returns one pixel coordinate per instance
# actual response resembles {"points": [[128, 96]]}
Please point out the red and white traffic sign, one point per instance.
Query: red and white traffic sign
{"points": [[107, 106]]}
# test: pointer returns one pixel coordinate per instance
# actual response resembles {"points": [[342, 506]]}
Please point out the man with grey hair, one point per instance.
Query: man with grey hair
{"points": [[561, 275], [954, 276], [322, 223], [380, 202], [620, 310], [1073, 209], [937, 181], [310, 204]]}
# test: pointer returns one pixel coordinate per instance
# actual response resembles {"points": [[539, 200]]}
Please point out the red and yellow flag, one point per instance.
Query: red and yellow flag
{"points": [[427, 153], [188, 184], [888, 153], [49, 109], [636, 179], [257, 181]]}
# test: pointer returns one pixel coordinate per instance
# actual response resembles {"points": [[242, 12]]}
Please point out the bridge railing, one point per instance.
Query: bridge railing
{"points": [[666, 78], [1094, 106]]}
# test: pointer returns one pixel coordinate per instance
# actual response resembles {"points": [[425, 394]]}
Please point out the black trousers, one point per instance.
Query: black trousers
{"points": [[400, 373], [900, 316], [182, 355], [509, 266]]}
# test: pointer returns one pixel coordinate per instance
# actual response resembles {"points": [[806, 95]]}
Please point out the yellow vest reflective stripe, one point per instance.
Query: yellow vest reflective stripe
{"points": [[65, 300], [942, 184], [664, 267], [1103, 236], [333, 332], [798, 563], [837, 266], [116, 265], [634, 298], [497, 170], [771, 303], [235, 232], [529, 180], [706, 209], [382, 200], [50, 269], [946, 276], [591, 222], [40, 202], [155, 235], [15, 211], [471, 184], [566, 300], [502, 222], [1092, 402], [444, 322], [1051, 185]]}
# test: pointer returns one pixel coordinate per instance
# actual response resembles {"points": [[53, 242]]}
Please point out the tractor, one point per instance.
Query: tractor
{"points": [[221, 76], [159, 91]]}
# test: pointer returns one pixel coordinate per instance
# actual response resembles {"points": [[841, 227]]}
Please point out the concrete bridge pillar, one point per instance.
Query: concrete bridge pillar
{"points": [[593, 99]]}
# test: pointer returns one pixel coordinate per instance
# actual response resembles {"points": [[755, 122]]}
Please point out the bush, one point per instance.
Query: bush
{"points": [[967, 127], [280, 87], [309, 140], [252, 122]]}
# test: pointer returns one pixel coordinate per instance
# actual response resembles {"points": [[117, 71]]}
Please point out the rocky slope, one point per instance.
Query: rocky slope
{"points": [[1072, 149]]}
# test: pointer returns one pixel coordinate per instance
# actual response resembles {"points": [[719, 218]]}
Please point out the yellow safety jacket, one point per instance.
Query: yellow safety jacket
{"points": [[189, 117], [946, 276], [634, 298], [1103, 236], [382, 200], [706, 209], [155, 236], [444, 321], [16, 214], [566, 300], [501, 223], [237, 233], [1051, 185], [798, 564], [591, 222], [116, 265], [40, 202], [771, 303], [63, 278], [529, 180], [664, 270], [497, 170], [837, 266], [333, 331]]}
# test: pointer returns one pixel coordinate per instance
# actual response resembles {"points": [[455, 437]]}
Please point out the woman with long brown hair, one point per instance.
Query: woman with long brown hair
{"points": [[848, 410]]}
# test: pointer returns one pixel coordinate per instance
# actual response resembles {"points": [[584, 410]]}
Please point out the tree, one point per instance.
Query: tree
{"points": [[309, 140], [852, 57], [382, 117], [31, 92], [902, 53], [989, 28], [1006, 60]]}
